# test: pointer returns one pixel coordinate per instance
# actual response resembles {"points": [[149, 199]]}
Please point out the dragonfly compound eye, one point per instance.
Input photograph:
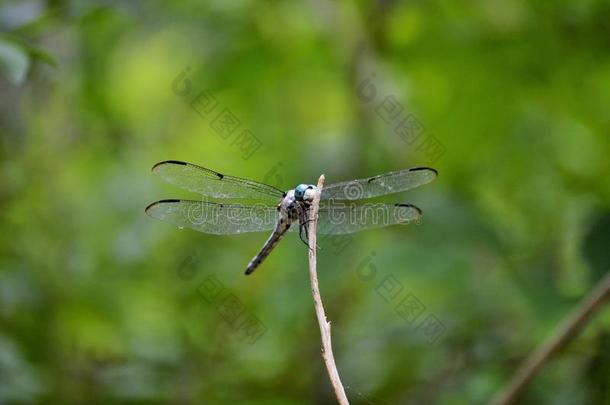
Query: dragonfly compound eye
{"points": [[299, 191]]}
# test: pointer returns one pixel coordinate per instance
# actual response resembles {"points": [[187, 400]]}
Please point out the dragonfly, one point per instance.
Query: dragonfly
{"points": [[234, 205]]}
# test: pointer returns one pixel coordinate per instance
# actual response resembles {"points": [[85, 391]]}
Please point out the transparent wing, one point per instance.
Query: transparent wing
{"points": [[389, 183], [213, 184], [350, 218], [214, 218]]}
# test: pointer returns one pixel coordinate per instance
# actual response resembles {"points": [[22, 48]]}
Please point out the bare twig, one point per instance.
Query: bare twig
{"points": [[327, 350], [573, 324]]}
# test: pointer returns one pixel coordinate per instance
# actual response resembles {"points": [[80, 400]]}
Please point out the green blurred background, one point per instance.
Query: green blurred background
{"points": [[100, 303]]}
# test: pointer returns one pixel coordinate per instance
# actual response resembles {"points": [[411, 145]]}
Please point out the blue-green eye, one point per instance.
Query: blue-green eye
{"points": [[299, 191]]}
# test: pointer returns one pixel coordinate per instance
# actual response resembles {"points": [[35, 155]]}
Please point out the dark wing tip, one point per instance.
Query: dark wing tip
{"points": [[159, 202], [419, 211], [415, 169], [175, 162]]}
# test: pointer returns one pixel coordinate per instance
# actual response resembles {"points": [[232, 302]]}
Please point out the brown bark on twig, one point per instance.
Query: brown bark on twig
{"points": [[327, 350], [573, 324]]}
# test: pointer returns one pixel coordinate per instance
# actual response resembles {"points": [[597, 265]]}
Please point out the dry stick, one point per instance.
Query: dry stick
{"points": [[567, 331], [327, 349]]}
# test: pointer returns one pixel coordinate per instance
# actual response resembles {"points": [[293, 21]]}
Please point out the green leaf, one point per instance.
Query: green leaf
{"points": [[33, 52], [14, 61]]}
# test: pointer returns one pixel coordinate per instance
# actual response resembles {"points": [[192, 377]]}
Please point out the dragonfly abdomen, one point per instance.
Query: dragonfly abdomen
{"points": [[273, 240]]}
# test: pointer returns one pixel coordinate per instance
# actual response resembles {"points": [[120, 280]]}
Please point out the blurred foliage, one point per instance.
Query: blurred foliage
{"points": [[99, 303]]}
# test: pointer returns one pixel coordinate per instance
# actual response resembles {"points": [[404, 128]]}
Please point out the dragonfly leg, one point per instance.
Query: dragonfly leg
{"points": [[303, 225]]}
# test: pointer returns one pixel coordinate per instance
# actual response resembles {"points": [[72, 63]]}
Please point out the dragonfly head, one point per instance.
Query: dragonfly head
{"points": [[304, 192]]}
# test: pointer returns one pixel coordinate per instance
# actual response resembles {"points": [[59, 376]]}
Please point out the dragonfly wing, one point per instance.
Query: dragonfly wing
{"points": [[349, 218], [389, 183], [214, 218], [213, 184]]}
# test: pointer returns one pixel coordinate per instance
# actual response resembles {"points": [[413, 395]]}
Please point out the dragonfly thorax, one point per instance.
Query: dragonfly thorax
{"points": [[304, 192]]}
